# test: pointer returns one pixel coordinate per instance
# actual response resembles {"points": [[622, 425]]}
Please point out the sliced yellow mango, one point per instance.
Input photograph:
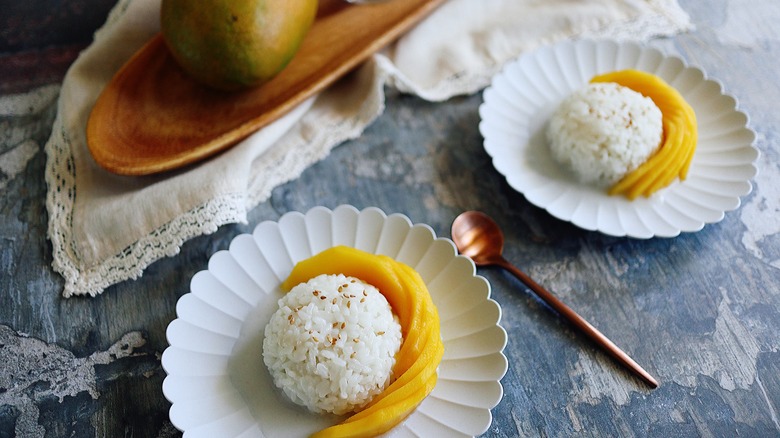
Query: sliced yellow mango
{"points": [[673, 158], [422, 348]]}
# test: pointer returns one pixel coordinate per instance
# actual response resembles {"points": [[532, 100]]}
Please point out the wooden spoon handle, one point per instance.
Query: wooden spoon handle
{"points": [[581, 324]]}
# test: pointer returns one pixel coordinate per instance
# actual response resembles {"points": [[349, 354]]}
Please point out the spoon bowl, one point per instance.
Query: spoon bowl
{"points": [[479, 237]]}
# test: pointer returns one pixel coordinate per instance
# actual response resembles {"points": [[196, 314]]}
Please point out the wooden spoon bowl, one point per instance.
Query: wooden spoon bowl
{"points": [[152, 117]]}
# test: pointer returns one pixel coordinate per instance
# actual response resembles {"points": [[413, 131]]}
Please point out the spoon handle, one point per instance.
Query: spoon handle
{"points": [[581, 324]]}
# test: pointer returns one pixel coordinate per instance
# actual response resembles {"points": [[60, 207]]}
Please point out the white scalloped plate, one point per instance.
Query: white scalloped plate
{"points": [[524, 94], [217, 381]]}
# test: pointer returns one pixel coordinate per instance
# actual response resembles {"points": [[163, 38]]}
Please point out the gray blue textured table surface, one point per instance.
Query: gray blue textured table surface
{"points": [[700, 311]]}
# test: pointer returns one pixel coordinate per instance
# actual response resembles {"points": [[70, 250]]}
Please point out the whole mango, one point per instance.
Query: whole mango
{"points": [[235, 44]]}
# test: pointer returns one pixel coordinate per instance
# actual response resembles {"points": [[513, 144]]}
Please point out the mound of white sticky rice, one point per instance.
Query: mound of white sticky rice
{"points": [[603, 131], [331, 345]]}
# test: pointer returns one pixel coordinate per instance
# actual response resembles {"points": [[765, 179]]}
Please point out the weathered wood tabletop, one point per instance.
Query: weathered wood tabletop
{"points": [[700, 311]]}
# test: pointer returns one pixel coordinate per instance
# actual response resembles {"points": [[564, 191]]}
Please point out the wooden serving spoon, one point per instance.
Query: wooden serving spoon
{"points": [[152, 117]]}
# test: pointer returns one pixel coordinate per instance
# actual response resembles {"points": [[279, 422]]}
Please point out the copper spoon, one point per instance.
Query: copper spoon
{"points": [[479, 237]]}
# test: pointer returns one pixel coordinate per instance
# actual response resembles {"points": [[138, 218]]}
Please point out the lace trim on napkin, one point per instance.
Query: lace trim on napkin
{"points": [[130, 263]]}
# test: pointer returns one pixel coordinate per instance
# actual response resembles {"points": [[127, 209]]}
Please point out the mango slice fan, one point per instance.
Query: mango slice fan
{"points": [[415, 369], [673, 158]]}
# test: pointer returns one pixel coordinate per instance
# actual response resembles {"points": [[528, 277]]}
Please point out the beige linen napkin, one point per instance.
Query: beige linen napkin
{"points": [[106, 228]]}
